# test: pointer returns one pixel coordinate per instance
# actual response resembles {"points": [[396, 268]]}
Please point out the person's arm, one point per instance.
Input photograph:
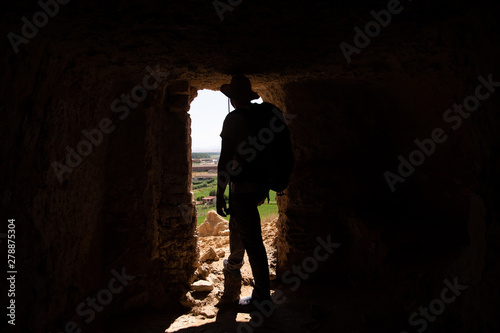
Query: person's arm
{"points": [[231, 132], [224, 172]]}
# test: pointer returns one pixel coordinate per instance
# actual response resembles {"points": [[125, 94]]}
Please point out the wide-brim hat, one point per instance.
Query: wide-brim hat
{"points": [[240, 88]]}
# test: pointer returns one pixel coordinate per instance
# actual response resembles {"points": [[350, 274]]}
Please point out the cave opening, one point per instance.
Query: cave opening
{"points": [[206, 110], [207, 113]]}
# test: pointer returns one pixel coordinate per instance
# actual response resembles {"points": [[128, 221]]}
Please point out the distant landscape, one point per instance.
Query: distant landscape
{"points": [[204, 155], [204, 185]]}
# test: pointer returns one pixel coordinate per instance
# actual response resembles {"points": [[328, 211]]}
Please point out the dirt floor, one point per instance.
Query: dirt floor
{"points": [[295, 311], [204, 310]]}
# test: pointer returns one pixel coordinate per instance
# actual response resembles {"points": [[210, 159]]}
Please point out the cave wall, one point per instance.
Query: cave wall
{"points": [[125, 208], [440, 223]]}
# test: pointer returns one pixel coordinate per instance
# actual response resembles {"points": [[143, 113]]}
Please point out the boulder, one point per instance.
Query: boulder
{"points": [[202, 272], [205, 229], [221, 253], [208, 254], [213, 218], [208, 312], [214, 225], [188, 301], [220, 227], [213, 278], [202, 285]]}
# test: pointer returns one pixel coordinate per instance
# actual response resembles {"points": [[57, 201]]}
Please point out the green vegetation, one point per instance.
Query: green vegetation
{"points": [[199, 184], [200, 155], [208, 190], [268, 209], [202, 212], [265, 210], [205, 155], [205, 188]]}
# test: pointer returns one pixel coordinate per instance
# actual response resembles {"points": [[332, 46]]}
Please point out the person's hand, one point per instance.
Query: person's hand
{"points": [[221, 206]]}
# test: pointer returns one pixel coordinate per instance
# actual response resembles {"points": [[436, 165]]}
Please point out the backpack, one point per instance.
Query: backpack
{"points": [[270, 159]]}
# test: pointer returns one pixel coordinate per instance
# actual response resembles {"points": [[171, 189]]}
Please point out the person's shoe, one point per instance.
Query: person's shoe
{"points": [[232, 290], [228, 300], [250, 304], [232, 286]]}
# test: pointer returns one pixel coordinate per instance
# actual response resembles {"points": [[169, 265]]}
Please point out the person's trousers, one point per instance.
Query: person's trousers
{"points": [[246, 234]]}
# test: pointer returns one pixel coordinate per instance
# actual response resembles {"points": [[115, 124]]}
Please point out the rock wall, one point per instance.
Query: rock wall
{"points": [[125, 207], [347, 133]]}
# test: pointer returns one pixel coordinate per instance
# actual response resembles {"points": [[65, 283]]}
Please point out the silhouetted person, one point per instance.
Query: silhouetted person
{"points": [[247, 191]]}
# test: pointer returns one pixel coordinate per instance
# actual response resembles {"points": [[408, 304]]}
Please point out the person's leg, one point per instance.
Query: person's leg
{"points": [[257, 257], [236, 247], [232, 265], [247, 224]]}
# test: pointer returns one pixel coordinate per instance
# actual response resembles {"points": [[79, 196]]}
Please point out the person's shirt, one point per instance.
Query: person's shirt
{"points": [[237, 129]]}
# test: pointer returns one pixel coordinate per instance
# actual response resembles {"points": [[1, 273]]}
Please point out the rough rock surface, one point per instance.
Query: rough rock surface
{"points": [[208, 254], [203, 309], [205, 229], [214, 225]]}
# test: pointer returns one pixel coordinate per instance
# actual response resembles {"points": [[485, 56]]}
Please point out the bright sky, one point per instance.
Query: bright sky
{"points": [[208, 111]]}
